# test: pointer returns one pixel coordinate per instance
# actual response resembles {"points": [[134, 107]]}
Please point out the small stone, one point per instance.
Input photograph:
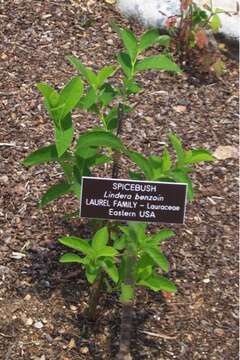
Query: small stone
{"points": [[48, 338], [148, 119], [226, 152], [38, 325], [29, 322], [109, 41], [73, 307], [4, 179], [4, 270], [206, 281], [46, 16], [219, 332], [71, 344], [180, 108], [84, 350], [17, 255], [111, 2], [20, 189], [3, 56], [27, 297]]}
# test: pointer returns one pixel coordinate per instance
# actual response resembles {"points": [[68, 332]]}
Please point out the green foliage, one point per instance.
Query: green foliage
{"points": [[98, 256], [129, 61], [97, 139], [93, 92], [157, 283], [149, 257], [54, 193], [157, 62], [114, 250], [152, 37], [163, 168], [59, 106], [42, 155]]}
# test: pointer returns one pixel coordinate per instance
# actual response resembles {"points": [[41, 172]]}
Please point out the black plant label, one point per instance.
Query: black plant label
{"points": [[145, 201]]}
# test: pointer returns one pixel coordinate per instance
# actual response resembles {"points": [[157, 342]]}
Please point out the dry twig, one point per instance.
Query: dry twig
{"points": [[159, 335]]}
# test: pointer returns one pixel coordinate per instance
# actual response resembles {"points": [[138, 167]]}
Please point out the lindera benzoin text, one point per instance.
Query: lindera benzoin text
{"points": [[106, 199], [118, 257]]}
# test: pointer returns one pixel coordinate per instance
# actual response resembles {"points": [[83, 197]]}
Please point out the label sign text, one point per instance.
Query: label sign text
{"points": [[131, 200]]}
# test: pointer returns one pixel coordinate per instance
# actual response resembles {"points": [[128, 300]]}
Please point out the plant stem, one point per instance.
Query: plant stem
{"points": [[116, 154], [94, 298], [97, 286], [127, 306], [125, 333]]}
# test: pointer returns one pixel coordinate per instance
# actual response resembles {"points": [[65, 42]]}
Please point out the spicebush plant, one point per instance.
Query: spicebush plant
{"points": [[120, 257]]}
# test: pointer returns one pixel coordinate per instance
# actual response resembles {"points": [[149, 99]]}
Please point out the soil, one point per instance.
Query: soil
{"points": [[41, 301]]}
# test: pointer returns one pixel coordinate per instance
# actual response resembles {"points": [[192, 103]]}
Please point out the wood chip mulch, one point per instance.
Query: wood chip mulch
{"points": [[41, 306]]}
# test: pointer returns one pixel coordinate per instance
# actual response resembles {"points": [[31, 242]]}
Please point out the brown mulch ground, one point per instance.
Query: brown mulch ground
{"points": [[40, 306]]}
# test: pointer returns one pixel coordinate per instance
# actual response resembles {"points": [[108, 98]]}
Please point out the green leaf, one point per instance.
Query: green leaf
{"points": [[104, 74], [120, 242], [135, 175], [124, 229], [133, 88], [130, 42], [177, 145], [111, 119], [215, 23], [196, 156], [148, 39], [50, 95], [157, 62], [91, 274], [143, 163], [99, 160], [158, 257], [67, 168], [180, 176], [87, 153], [143, 274], [106, 251], [64, 135], [106, 95], [70, 96], [156, 283], [76, 244], [55, 192], [166, 161], [126, 64], [155, 161], [115, 27], [144, 261], [89, 99], [164, 40], [42, 155], [87, 73], [127, 293], [162, 235], [71, 258], [100, 239], [99, 138], [137, 230], [111, 270], [76, 189]]}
